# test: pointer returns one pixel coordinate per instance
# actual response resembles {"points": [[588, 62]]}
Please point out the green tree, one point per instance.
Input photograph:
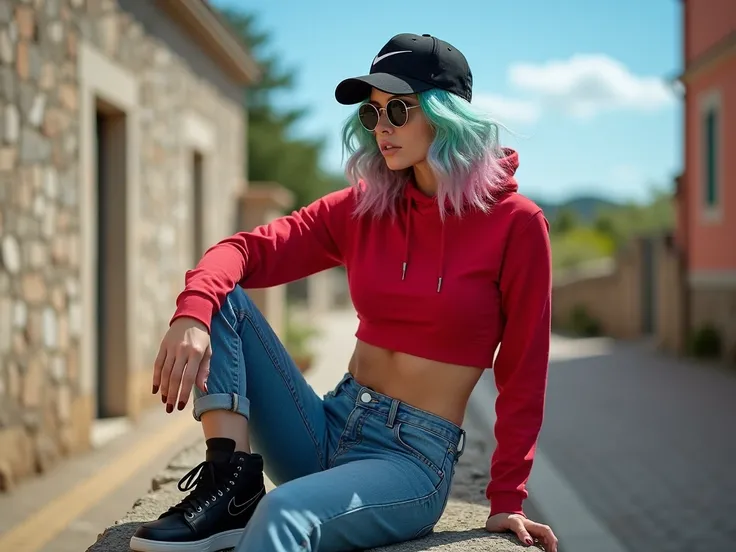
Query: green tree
{"points": [[623, 223], [564, 221], [576, 241], [274, 154], [608, 225]]}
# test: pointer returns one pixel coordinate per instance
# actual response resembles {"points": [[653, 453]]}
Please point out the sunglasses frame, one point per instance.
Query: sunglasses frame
{"points": [[380, 109]]}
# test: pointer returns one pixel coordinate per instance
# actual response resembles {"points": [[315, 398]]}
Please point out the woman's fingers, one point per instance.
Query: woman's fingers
{"points": [[204, 370], [158, 366], [166, 374], [527, 531], [542, 533], [191, 371], [176, 374], [517, 525], [183, 349]]}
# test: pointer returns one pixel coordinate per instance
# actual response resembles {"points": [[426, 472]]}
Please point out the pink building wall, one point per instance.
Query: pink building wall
{"points": [[709, 232], [706, 23]]}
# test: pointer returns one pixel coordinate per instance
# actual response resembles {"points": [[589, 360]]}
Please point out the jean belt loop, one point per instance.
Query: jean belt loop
{"points": [[392, 413], [342, 382], [461, 443]]}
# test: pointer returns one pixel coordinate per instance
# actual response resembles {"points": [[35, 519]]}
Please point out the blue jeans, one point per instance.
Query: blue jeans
{"points": [[354, 469]]}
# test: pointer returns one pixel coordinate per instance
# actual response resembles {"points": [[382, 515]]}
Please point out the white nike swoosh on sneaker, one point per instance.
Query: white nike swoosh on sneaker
{"points": [[384, 56], [240, 508]]}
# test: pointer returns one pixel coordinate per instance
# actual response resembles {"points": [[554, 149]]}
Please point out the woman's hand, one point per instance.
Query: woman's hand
{"points": [[183, 357], [526, 530]]}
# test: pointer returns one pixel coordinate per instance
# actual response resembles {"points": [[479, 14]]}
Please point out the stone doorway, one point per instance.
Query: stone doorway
{"points": [[110, 317]]}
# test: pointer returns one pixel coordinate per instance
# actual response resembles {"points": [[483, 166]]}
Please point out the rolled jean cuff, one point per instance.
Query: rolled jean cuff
{"points": [[231, 402]]}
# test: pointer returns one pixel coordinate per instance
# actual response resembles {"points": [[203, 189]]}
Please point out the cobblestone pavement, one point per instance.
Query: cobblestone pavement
{"points": [[647, 442]]}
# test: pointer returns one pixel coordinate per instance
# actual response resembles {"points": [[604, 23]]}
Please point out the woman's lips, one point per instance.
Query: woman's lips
{"points": [[389, 149]]}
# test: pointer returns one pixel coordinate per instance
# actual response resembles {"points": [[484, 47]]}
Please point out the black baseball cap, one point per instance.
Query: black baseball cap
{"points": [[409, 64]]}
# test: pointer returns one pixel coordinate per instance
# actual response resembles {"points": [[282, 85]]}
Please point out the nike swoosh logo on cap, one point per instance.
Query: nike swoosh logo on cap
{"points": [[384, 56]]}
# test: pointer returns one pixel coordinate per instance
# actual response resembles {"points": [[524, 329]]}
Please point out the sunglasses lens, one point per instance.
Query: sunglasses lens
{"points": [[368, 115], [397, 112]]}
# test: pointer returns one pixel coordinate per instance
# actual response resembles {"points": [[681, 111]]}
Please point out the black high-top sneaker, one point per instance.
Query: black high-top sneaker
{"points": [[225, 490]]}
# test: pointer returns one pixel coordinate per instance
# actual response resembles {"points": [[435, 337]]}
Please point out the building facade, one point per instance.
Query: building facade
{"points": [[706, 196], [122, 156]]}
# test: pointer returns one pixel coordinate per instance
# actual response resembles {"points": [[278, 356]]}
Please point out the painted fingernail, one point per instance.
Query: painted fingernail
{"points": [[169, 408], [163, 398], [528, 541], [181, 405], [155, 389]]}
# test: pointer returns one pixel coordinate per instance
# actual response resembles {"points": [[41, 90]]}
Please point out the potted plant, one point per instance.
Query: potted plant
{"points": [[297, 342]]}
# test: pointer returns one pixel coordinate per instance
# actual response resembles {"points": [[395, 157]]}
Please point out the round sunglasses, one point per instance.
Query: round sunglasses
{"points": [[397, 113]]}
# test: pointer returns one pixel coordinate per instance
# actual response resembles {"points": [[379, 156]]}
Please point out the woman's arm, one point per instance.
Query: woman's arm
{"points": [[287, 249], [521, 365]]}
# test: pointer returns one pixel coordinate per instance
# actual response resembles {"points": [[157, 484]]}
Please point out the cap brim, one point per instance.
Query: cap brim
{"points": [[355, 90]]}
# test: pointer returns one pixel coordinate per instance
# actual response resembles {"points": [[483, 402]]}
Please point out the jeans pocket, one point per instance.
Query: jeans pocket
{"points": [[425, 446]]}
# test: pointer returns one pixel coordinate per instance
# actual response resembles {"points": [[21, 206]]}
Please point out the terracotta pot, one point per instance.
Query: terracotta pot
{"points": [[304, 363]]}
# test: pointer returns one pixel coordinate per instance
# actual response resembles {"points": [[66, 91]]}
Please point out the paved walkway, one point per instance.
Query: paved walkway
{"points": [[637, 450], [66, 508]]}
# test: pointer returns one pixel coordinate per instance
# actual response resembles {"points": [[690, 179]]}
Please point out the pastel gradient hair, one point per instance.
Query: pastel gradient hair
{"points": [[464, 157]]}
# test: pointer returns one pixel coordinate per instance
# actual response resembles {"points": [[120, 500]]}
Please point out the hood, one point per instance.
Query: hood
{"points": [[416, 200], [509, 163]]}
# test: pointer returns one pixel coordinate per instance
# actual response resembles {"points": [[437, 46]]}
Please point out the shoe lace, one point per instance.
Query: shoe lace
{"points": [[206, 484]]}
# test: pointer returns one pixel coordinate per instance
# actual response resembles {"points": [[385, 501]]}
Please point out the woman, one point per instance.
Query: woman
{"points": [[444, 260]]}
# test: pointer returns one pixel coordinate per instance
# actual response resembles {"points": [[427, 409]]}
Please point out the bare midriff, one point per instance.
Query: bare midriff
{"points": [[437, 387]]}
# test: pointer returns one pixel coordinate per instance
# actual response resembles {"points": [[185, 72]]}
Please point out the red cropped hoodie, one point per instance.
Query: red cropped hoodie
{"points": [[448, 291]]}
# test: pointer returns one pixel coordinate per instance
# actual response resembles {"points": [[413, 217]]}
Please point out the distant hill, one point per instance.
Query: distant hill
{"points": [[585, 207]]}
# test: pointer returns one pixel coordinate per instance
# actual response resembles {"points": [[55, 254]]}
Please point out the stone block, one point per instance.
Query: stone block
{"points": [[460, 528]]}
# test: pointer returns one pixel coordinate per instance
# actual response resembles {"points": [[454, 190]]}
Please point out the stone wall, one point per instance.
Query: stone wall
{"points": [[612, 293], [48, 385], [606, 292], [671, 298], [459, 530]]}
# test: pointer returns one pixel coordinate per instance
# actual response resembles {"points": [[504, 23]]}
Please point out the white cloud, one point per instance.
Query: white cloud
{"points": [[626, 174], [639, 183], [506, 109], [585, 85]]}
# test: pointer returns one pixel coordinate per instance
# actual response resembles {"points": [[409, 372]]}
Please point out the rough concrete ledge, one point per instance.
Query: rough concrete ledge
{"points": [[460, 529]]}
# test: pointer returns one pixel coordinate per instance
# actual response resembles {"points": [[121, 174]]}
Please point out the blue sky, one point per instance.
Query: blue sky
{"points": [[583, 86]]}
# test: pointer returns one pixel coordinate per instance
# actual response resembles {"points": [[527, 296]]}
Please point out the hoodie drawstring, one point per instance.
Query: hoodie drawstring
{"points": [[442, 258], [406, 241], [405, 264], [508, 163]]}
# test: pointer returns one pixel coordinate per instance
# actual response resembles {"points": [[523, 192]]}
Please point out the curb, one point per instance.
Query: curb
{"points": [[552, 500]]}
